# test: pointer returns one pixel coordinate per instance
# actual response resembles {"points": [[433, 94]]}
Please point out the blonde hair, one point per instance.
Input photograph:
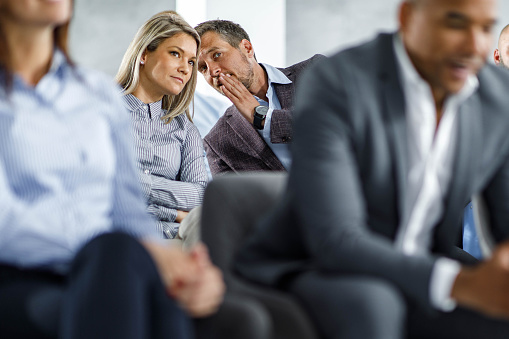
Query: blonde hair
{"points": [[158, 28]]}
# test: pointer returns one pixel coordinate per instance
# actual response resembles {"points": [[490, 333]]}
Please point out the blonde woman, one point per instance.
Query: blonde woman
{"points": [[158, 75]]}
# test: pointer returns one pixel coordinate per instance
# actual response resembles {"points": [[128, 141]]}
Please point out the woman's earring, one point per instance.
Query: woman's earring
{"points": [[142, 62]]}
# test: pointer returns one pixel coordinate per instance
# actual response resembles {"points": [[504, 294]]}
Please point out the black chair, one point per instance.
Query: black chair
{"points": [[232, 206]]}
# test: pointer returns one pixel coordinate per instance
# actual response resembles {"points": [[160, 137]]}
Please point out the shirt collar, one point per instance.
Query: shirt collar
{"points": [[410, 76], [58, 61], [275, 76], [140, 108]]}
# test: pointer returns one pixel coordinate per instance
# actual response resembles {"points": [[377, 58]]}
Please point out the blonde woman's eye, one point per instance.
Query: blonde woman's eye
{"points": [[175, 54], [191, 63]]}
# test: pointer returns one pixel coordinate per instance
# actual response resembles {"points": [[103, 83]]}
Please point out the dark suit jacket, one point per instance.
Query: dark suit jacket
{"points": [[233, 144], [346, 192]]}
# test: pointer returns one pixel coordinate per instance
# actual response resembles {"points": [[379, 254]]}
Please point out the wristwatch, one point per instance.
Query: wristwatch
{"points": [[260, 112]]}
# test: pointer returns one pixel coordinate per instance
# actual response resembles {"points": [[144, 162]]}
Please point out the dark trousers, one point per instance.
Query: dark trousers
{"points": [[354, 307], [238, 317], [113, 290]]}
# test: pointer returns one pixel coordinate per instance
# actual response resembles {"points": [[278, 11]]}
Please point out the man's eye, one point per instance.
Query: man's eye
{"points": [[456, 23], [216, 55], [202, 69]]}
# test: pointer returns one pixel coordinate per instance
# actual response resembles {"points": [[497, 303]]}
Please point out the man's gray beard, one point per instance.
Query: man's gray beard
{"points": [[502, 63], [247, 81]]}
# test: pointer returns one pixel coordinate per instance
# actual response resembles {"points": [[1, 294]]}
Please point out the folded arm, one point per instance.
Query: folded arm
{"points": [[186, 192], [281, 126]]}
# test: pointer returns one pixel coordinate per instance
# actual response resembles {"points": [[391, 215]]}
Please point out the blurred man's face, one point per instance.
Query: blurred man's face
{"points": [[502, 52], [447, 40]]}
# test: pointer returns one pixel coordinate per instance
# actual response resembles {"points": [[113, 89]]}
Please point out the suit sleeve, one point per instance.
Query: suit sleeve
{"points": [[325, 183], [216, 163], [497, 198], [281, 126]]}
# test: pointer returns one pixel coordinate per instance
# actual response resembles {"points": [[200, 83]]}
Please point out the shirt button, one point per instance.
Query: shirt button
{"points": [[147, 171]]}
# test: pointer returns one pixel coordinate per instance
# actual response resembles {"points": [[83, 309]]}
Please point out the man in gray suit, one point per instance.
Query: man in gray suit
{"points": [[391, 139], [254, 133]]}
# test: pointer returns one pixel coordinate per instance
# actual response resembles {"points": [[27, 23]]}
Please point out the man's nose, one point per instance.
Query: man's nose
{"points": [[214, 69], [478, 42]]}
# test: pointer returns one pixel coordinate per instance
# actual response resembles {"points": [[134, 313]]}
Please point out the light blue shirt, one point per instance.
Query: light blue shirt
{"points": [[275, 76], [207, 109], [470, 238], [67, 169]]}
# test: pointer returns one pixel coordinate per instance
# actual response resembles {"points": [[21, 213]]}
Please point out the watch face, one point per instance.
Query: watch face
{"points": [[261, 110]]}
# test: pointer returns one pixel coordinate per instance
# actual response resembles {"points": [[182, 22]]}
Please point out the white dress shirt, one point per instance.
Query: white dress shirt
{"points": [[430, 162]]}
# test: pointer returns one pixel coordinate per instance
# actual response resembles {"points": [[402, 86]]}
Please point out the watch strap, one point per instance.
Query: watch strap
{"points": [[258, 120]]}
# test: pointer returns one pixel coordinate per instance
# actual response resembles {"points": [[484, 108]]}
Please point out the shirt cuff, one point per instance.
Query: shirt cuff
{"points": [[443, 276]]}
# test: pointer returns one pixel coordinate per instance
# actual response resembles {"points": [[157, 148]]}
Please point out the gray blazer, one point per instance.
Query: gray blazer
{"points": [[233, 144], [346, 192]]}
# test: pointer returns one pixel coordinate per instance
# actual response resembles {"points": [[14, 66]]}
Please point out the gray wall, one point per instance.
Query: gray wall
{"points": [[101, 30], [325, 26], [328, 25]]}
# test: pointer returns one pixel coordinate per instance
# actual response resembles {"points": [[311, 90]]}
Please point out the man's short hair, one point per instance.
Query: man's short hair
{"points": [[229, 31]]}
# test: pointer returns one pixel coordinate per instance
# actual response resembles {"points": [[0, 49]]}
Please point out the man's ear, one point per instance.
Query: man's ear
{"points": [[404, 13], [496, 57], [246, 47]]}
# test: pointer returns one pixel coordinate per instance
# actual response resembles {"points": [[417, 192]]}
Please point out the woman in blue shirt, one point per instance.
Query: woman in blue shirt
{"points": [[79, 257], [158, 74]]}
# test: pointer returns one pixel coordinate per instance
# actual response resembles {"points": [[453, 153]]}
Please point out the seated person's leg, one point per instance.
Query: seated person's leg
{"points": [[458, 324], [189, 230], [239, 317], [115, 292], [351, 307], [29, 303]]}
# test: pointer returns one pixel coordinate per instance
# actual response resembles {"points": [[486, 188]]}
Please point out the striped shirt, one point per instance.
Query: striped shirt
{"points": [[170, 162], [67, 170]]}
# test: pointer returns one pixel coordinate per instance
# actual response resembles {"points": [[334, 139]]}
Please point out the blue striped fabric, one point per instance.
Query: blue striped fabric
{"points": [[170, 162], [67, 168]]}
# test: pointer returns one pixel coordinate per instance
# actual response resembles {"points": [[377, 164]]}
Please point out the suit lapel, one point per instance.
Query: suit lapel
{"points": [[252, 142], [395, 120], [285, 92], [468, 151]]}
